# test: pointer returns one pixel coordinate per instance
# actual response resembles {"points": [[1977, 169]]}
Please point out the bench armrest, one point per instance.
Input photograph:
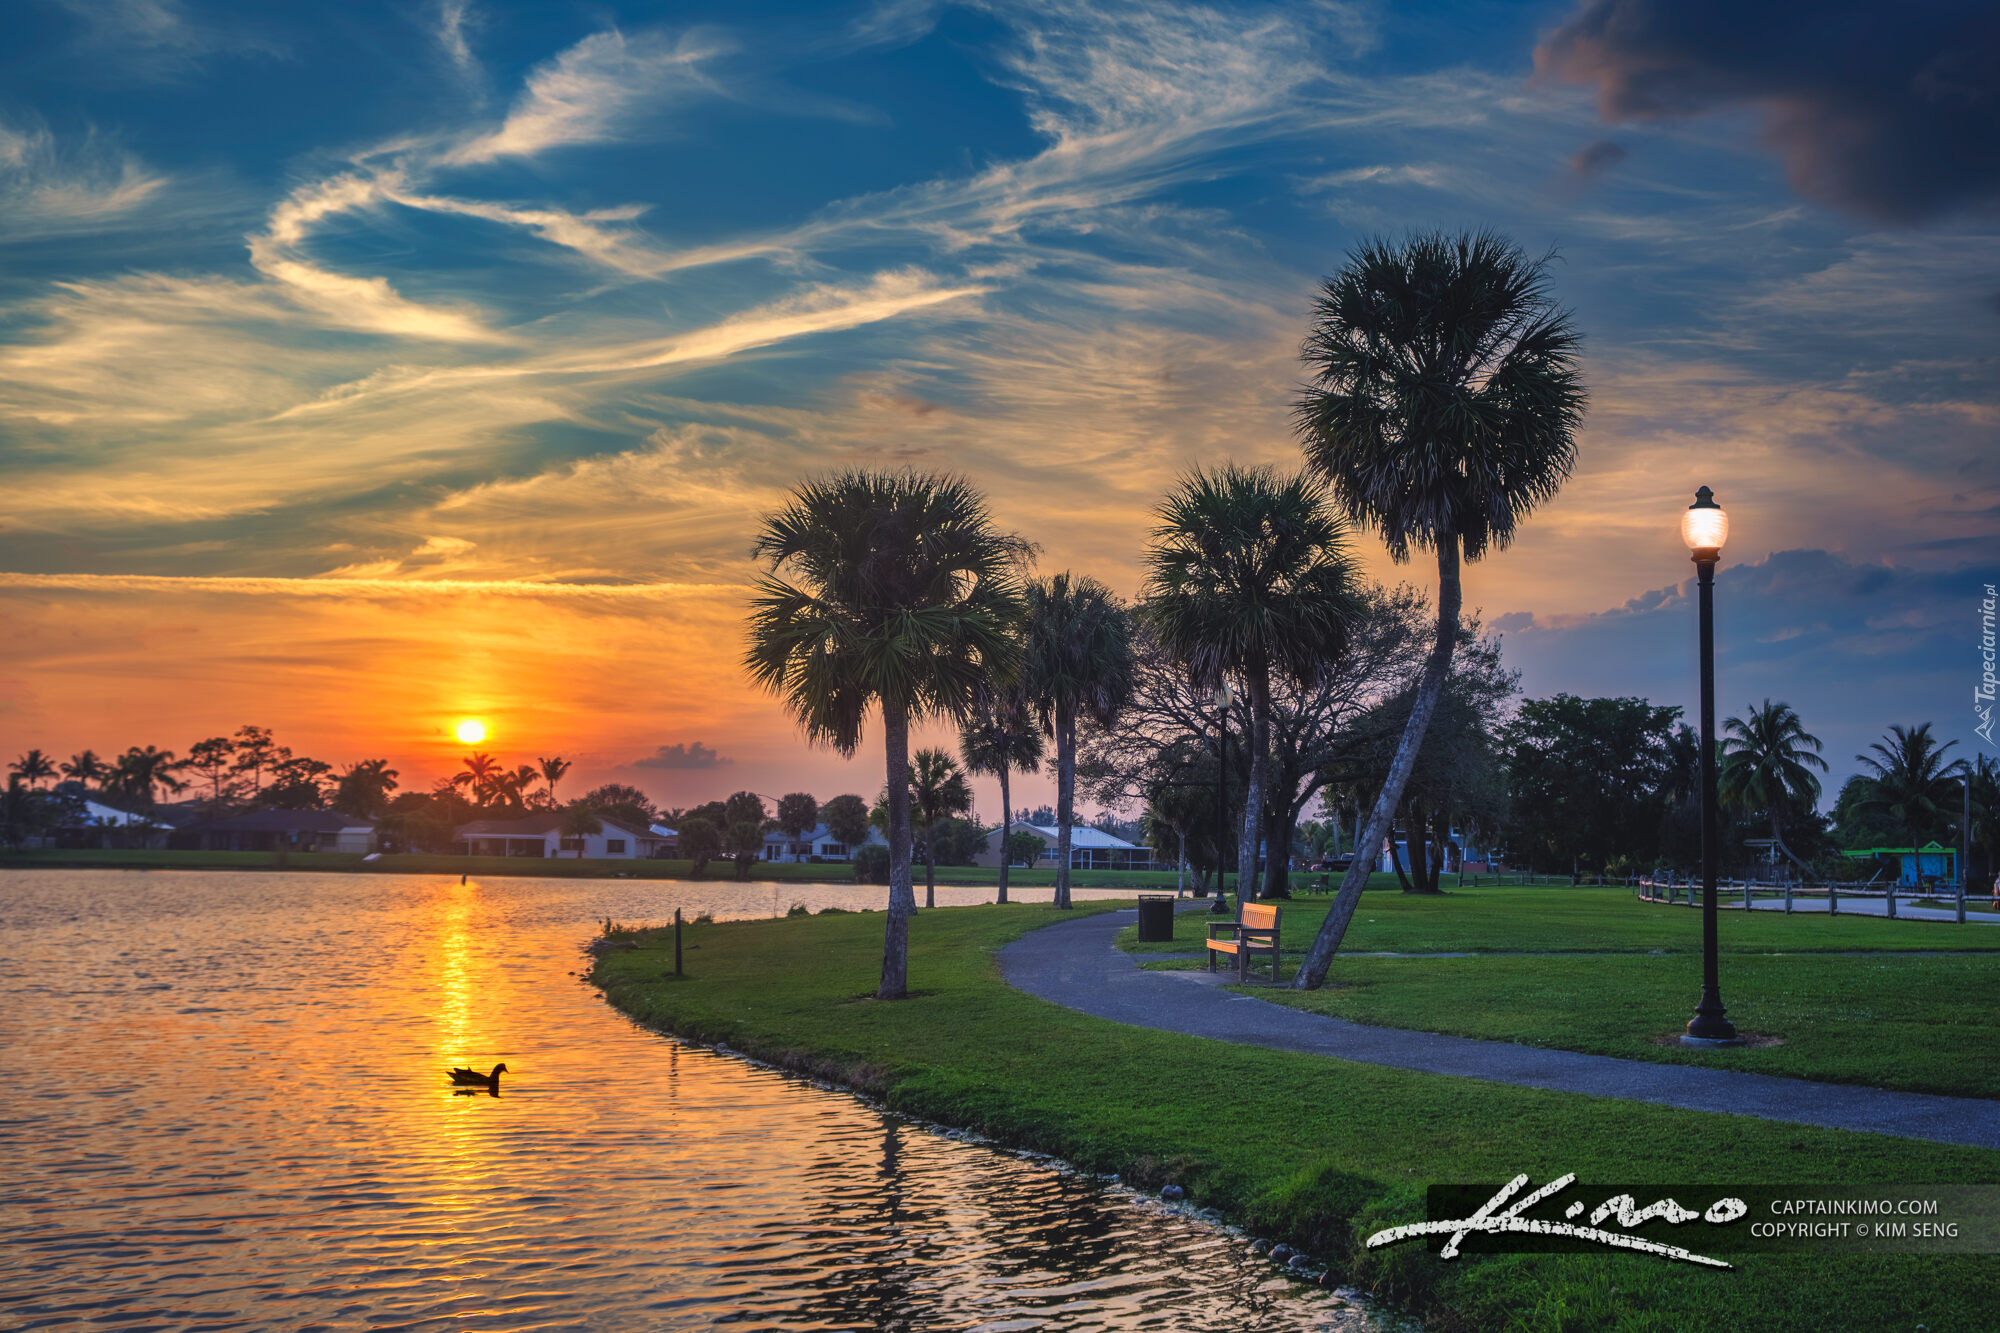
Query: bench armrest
{"points": [[1230, 926]]}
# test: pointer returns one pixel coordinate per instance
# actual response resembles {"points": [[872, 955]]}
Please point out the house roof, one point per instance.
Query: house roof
{"points": [[292, 821], [1080, 835], [540, 824]]}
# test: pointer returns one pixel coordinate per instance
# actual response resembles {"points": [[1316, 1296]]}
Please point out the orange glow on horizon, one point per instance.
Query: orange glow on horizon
{"points": [[471, 731]]}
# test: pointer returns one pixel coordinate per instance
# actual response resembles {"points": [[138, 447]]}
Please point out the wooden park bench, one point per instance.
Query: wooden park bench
{"points": [[1254, 931]]}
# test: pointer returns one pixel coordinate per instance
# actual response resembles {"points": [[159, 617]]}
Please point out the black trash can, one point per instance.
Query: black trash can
{"points": [[1156, 918]]}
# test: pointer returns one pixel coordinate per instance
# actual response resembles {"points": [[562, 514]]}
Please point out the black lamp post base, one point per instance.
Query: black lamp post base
{"points": [[1708, 1027]]}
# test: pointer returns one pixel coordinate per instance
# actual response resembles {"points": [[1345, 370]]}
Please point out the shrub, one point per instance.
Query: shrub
{"points": [[871, 865]]}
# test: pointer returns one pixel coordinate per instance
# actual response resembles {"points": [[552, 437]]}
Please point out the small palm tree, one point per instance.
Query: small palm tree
{"points": [[1443, 408], [477, 777], [552, 770], [938, 789], [904, 596], [580, 821], [1079, 664], [85, 767], [1913, 784], [1249, 578], [1000, 738], [1767, 762], [137, 774], [33, 767]]}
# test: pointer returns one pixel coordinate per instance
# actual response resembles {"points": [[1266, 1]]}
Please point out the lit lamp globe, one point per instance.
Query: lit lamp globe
{"points": [[1705, 526]]}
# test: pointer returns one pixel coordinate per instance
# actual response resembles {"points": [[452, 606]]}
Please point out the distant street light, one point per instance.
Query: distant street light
{"points": [[1223, 697], [1705, 527]]}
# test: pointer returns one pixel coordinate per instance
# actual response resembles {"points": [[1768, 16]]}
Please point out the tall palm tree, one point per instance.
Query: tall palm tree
{"points": [[32, 767], [1000, 738], [938, 789], [580, 821], [552, 770], [85, 767], [137, 773], [477, 776], [1913, 784], [1767, 758], [1248, 578], [1443, 407], [904, 596], [1079, 663]]}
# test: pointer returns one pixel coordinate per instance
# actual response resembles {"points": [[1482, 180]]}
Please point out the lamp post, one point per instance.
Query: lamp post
{"points": [[1223, 698], [1705, 527]]}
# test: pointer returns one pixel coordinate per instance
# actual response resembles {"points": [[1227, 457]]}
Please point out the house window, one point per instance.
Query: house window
{"points": [[833, 849], [614, 846], [572, 844]]}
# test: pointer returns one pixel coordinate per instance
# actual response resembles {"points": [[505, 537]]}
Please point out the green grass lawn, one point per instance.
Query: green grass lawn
{"points": [[1574, 920], [1317, 1151], [1893, 1017]]}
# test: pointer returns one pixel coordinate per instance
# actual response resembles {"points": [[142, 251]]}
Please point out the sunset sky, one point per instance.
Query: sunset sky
{"points": [[364, 368]]}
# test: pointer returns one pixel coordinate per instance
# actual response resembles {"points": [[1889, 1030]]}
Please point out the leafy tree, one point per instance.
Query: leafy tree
{"points": [[580, 820], [798, 814], [846, 818], [1079, 664], [1025, 848], [1000, 737], [1249, 579], [955, 842], [937, 788], [1767, 763], [1858, 819], [256, 753], [1981, 866], [1443, 408], [33, 767], [138, 773], [85, 767], [700, 841], [905, 596], [625, 804], [744, 807], [297, 783], [1586, 777], [871, 864], [213, 761], [364, 788], [552, 770], [1914, 784], [745, 842]]}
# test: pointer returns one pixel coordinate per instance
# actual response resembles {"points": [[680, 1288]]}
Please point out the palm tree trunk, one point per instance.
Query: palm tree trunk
{"points": [[1006, 828], [930, 864], [1407, 857], [1312, 971], [902, 900], [1065, 798], [1258, 678]]}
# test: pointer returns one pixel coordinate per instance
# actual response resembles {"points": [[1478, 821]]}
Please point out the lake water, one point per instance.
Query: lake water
{"points": [[224, 1106]]}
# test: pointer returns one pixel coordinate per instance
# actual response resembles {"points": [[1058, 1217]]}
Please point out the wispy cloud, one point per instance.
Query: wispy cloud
{"points": [[84, 186]]}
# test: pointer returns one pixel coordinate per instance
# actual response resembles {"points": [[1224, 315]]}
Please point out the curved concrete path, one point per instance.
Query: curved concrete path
{"points": [[1077, 965]]}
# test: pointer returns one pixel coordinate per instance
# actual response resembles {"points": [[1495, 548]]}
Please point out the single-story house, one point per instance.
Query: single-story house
{"points": [[1933, 862], [540, 834], [274, 830], [1457, 847], [1089, 848], [107, 826], [782, 846]]}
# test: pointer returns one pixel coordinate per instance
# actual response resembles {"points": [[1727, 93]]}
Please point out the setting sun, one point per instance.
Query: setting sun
{"points": [[471, 731]]}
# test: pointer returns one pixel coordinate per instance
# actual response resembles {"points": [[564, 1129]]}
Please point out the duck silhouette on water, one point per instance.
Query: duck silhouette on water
{"points": [[469, 1081]]}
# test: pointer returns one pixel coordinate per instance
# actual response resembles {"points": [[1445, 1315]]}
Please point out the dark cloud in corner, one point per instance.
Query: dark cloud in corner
{"points": [[1887, 111], [692, 755], [1594, 159]]}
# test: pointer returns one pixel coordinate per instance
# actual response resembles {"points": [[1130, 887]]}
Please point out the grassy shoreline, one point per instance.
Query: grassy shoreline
{"points": [[552, 867], [1317, 1152]]}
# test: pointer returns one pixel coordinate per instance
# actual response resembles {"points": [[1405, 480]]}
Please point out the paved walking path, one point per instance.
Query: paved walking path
{"points": [[1076, 964]]}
